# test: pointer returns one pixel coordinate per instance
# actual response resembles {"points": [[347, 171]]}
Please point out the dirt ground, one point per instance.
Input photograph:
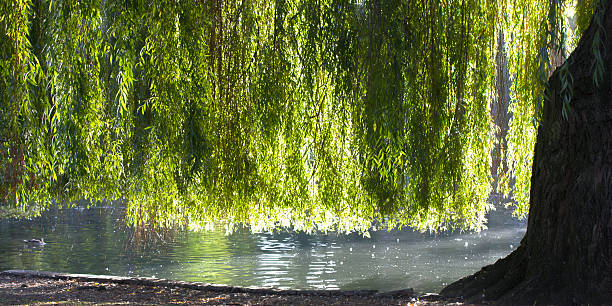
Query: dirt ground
{"points": [[33, 289]]}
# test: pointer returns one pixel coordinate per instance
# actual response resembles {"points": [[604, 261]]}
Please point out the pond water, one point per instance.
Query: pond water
{"points": [[96, 241]]}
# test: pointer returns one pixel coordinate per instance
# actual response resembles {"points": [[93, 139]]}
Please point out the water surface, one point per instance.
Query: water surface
{"points": [[96, 241]]}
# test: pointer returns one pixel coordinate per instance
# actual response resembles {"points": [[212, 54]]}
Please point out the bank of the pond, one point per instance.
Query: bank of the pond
{"points": [[18, 287]]}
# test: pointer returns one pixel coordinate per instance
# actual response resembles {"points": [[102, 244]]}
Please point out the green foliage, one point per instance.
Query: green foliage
{"points": [[303, 114], [539, 45]]}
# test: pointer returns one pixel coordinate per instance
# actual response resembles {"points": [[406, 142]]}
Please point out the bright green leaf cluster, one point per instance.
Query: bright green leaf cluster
{"points": [[302, 114]]}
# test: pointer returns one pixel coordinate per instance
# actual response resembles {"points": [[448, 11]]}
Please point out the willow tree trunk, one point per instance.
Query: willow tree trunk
{"points": [[566, 254]]}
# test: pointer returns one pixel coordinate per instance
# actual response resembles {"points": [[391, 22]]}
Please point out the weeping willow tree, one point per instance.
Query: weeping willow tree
{"points": [[312, 115]]}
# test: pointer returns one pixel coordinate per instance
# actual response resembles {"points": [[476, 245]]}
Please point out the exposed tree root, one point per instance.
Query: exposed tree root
{"points": [[491, 282]]}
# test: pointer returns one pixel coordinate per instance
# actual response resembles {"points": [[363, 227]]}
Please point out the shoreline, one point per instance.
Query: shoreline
{"points": [[40, 287]]}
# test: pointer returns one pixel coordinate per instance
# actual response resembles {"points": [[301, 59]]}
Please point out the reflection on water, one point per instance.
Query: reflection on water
{"points": [[96, 241]]}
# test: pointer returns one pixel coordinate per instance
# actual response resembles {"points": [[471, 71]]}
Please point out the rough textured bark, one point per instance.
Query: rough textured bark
{"points": [[566, 254]]}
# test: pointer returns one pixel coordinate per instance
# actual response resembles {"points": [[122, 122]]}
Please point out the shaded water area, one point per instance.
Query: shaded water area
{"points": [[96, 241]]}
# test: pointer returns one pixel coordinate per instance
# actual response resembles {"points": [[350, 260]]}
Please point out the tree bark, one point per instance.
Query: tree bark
{"points": [[566, 254]]}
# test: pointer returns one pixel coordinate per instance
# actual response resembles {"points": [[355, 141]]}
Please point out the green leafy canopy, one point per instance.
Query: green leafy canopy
{"points": [[303, 114]]}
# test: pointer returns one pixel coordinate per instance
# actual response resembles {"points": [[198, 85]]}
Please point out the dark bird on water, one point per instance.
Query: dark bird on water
{"points": [[36, 241]]}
